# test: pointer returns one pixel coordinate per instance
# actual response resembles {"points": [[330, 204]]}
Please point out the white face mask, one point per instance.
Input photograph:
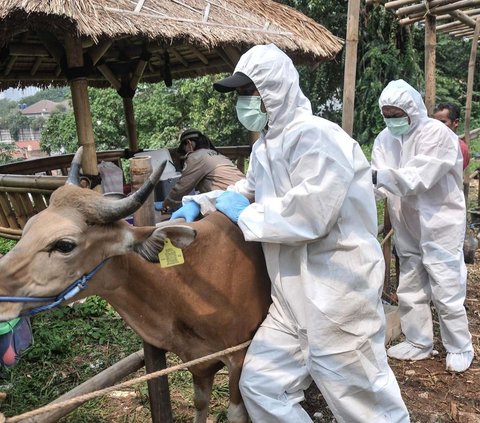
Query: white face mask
{"points": [[250, 114], [397, 126]]}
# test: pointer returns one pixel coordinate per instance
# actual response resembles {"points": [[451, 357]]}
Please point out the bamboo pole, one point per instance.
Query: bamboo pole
{"points": [[470, 81], [430, 59], [81, 106], [108, 377], [155, 358], [350, 66]]}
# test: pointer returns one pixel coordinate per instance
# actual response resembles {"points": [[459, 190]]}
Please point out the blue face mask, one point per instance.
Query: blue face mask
{"points": [[250, 114], [397, 126]]}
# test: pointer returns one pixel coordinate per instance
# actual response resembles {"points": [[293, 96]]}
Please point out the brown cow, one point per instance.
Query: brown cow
{"points": [[215, 300]]}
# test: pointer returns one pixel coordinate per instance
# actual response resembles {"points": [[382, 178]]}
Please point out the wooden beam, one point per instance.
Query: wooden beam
{"points": [[98, 50], [138, 73], [9, 66], [178, 56], [350, 66], [109, 76], [462, 17], [430, 63], [422, 7], [36, 65], [398, 3], [53, 46], [199, 55], [31, 50], [108, 377]]}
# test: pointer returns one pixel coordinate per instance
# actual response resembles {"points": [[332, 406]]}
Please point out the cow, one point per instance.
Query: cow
{"points": [[213, 301]]}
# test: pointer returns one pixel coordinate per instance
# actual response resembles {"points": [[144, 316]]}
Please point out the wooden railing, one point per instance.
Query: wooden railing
{"points": [[25, 187]]}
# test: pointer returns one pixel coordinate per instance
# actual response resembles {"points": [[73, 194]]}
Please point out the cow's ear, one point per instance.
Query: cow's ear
{"points": [[181, 236]]}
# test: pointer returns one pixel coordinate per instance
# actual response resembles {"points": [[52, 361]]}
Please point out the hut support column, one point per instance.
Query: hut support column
{"points": [[430, 60], [155, 358], [81, 105], [350, 66], [130, 124]]}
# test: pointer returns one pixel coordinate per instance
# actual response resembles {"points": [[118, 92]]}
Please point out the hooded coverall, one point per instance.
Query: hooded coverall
{"points": [[420, 173], [314, 212]]}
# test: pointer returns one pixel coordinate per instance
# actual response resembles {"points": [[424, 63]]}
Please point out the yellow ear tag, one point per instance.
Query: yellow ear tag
{"points": [[170, 255]]}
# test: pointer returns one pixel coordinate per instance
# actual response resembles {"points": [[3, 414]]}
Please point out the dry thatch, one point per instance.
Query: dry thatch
{"points": [[177, 38], [456, 17]]}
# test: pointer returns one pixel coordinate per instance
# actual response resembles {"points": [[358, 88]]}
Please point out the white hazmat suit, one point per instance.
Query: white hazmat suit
{"points": [[313, 209], [420, 173]]}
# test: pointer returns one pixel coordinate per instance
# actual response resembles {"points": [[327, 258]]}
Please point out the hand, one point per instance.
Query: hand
{"points": [[189, 212], [159, 206], [231, 204]]}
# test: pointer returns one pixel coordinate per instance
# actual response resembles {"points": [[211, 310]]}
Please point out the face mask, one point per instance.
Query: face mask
{"points": [[397, 126], [249, 113]]}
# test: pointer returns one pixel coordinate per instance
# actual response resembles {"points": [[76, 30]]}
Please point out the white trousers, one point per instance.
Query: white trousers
{"points": [[358, 385]]}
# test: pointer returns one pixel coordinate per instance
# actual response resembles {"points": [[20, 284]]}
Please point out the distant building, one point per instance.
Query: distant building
{"points": [[43, 108], [28, 150]]}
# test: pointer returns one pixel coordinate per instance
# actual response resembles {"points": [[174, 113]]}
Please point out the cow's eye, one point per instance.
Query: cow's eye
{"points": [[63, 246]]}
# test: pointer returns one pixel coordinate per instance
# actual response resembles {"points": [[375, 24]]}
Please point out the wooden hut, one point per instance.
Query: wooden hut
{"points": [[118, 42]]}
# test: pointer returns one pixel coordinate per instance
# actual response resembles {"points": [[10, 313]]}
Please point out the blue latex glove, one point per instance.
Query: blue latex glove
{"points": [[231, 204], [189, 212], [159, 205]]}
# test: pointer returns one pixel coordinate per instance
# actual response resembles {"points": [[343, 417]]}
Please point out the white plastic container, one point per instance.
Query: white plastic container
{"points": [[169, 176]]}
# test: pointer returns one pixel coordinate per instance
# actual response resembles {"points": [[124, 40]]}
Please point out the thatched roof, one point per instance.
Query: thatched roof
{"points": [[455, 17], [185, 38]]}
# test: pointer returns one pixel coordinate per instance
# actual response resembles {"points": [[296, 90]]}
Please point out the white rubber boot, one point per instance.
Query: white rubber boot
{"points": [[407, 351], [459, 362]]}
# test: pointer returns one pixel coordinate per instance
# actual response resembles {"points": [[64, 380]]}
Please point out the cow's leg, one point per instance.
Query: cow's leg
{"points": [[237, 412], [202, 391]]}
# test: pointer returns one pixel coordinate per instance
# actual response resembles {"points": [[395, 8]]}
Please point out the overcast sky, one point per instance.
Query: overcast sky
{"points": [[16, 94]]}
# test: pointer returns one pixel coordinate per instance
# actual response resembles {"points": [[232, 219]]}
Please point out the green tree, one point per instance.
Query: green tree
{"points": [[161, 113], [56, 94]]}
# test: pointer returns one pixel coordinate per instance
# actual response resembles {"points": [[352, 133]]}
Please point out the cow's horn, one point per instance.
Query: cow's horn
{"points": [[112, 210], [74, 172]]}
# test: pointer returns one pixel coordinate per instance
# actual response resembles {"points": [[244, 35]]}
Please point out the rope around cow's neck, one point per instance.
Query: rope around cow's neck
{"points": [[82, 398]]}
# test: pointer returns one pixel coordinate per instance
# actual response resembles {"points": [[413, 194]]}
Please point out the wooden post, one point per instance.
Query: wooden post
{"points": [[468, 104], [81, 106], [155, 358], [430, 63], [130, 124], [470, 80], [350, 70]]}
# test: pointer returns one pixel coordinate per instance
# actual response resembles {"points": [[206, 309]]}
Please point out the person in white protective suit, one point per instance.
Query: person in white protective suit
{"points": [[308, 197], [417, 166]]}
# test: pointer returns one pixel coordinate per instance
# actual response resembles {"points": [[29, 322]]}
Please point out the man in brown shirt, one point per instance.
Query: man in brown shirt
{"points": [[204, 168]]}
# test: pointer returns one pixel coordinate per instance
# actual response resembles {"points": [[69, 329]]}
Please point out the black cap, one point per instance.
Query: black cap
{"points": [[238, 79]]}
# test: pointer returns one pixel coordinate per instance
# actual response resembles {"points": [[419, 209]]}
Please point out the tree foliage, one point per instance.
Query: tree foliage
{"points": [[161, 113]]}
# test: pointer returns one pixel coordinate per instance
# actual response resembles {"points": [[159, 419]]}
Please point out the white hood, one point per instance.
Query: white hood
{"points": [[276, 79]]}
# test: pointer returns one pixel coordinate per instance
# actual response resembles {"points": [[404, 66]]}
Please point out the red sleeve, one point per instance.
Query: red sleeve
{"points": [[465, 152]]}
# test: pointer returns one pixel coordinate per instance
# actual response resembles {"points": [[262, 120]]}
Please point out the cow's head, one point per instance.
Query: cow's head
{"points": [[79, 229]]}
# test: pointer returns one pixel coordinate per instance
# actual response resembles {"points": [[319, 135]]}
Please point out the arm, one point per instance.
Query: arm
{"points": [[436, 154], [192, 173]]}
